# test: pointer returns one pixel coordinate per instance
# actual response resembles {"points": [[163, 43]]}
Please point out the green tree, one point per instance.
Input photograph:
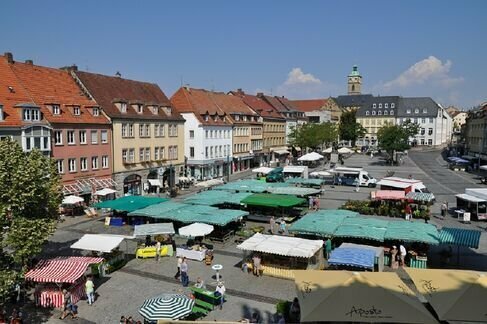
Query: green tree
{"points": [[394, 138], [349, 129], [313, 135], [30, 195]]}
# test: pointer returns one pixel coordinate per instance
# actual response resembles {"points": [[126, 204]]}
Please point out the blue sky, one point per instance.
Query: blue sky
{"points": [[301, 49]]}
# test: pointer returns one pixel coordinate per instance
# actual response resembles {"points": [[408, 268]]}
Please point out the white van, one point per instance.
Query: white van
{"points": [[347, 176]]}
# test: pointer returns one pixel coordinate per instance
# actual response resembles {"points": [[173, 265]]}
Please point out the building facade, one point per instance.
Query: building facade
{"points": [[316, 110], [208, 132], [375, 113], [147, 135], [354, 82], [476, 132]]}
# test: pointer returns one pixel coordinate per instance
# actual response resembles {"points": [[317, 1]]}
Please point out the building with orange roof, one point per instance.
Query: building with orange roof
{"points": [[208, 132], [80, 142], [319, 110], [148, 136], [273, 131], [20, 117]]}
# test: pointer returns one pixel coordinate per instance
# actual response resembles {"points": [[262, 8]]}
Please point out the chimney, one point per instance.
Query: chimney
{"points": [[260, 94], [118, 74], [71, 68], [9, 57], [30, 62], [240, 91]]}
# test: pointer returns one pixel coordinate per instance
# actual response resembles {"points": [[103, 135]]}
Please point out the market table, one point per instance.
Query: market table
{"points": [[205, 295], [53, 297], [191, 254]]}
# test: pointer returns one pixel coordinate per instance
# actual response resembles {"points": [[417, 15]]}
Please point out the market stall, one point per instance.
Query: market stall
{"points": [[254, 186], [351, 258], [148, 249], [282, 255], [292, 171], [378, 254], [262, 206], [54, 275], [322, 223], [472, 204], [295, 191], [310, 183], [226, 199]]}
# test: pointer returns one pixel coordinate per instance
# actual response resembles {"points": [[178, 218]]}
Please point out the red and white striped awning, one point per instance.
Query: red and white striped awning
{"points": [[388, 195], [61, 269]]}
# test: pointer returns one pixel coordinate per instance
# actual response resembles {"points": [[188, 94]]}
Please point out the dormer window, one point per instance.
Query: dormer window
{"points": [[76, 111], [123, 107], [367, 113], [416, 111], [373, 112], [391, 112], [380, 105], [206, 117], [245, 118], [155, 110], [167, 110], [96, 111], [386, 105], [31, 114], [425, 110], [393, 105], [379, 113], [140, 109], [56, 110], [385, 113], [374, 105], [237, 117], [408, 111], [215, 118]]}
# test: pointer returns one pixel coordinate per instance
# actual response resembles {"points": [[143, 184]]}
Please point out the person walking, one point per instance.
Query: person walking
{"points": [[310, 202], [256, 265], [444, 209], [283, 227], [357, 185], [178, 274], [184, 273], [403, 252], [158, 250], [316, 203], [272, 223], [394, 258], [327, 248], [408, 212], [90, 290], [220, 291]]}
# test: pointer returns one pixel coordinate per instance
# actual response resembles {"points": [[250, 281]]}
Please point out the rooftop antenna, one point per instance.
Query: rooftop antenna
{"points": [[271, 91], [212, 85], [181, 81]]}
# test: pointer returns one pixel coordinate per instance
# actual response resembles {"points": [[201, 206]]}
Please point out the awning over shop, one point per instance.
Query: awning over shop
{"points": [[157, 209], [130, 203], [359, 227], [412, 232], [387, 195], [263, 170], [154, 229], [321, 223], [99, 242], [354, 257], [250, 186], [281, 245], [270, 200], [61, 269], [281, 152], [420, 196], [155, 182], [105, 191], [295, 191], [217, 197], [460, 237]]}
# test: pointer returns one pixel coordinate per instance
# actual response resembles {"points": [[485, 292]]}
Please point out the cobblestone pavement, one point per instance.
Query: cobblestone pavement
{"points": [[124, 291]]}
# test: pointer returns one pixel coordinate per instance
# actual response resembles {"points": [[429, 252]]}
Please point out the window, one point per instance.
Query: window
{"points": [[123, 107], [408, 111], [416, 110], [380, 105], [173, 152], [94, 137], [83, 164], [72, 165], [76, 111], [156, 153], [132, 155], [191, 134], [147, 153], [393, 105], [60, 166], [71, 139], [422, 141], [124, 156], [131, 130], [206, 152], [124, 130], [31, 115], [104, 136], [144, 130], [104, 161], [423, 120], [391, 112], [373, 112], [94, 162], [379, 113], [385, 113], [430, 131], [173, 130], [56, 110], [36, 137], [430, 141], [237, 117], [159, 130], [422, 131], [206, 134], [82, 137], [206, 117], [58, 137], [386, 105], [162, 154], [367, 113], [141, 154], [425, 110], [374, 105], [432, 120], [140, 109], [96, 111], [191, 152]]}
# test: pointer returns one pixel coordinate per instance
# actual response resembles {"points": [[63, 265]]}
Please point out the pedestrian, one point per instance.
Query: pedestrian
{"points": [[402, 251], [310, 202], [66, 304], [408, 212], [295, 311], [256, 265], [200, 283], [158, 250], [327, 248], [184, 273], [178, 274], [444, 209], [357, 184], [316, 203], [394, 258], [283, 226], [272, 223], [220, 292], [90, 290]]}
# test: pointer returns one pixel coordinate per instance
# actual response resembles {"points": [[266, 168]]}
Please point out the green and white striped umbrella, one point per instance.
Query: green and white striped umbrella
{"points": [[166, 306]]}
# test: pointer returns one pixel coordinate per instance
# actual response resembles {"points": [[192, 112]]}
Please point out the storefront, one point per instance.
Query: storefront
{"points": [[132, 185]]}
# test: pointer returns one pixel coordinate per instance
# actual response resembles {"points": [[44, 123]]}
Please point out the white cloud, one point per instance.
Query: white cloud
{"points": [[430, 70], [297, 76]]}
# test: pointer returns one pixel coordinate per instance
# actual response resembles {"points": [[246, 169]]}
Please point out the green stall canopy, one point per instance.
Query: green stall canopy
{"points": [[460, 237], [250, 186], [270, 200], [412, 232], [217, 197], [130, 203], [321, 223]]}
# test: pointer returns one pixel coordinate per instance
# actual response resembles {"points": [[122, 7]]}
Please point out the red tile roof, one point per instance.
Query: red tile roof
{"points": [[309, 105], [106, 90], [200, 102], [54, 86], [12, 117], [274, 102], [259, 105], [232, 105]]}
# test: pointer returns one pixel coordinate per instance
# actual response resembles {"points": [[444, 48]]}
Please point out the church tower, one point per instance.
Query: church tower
{"points": [[354, 82]]}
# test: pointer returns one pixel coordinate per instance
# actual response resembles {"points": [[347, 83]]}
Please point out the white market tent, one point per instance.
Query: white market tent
{"points": [[313, 156], [105, 191], [196, 229], [281, 245], [99, 242], [320, 174], [210, 183], [394, 184], [263, 170], [71, 200], [344, 150], [480, 193], [328, 150], [154, 229], [155, 182]]}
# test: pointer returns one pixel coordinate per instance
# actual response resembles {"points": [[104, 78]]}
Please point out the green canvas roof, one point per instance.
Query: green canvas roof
{"points": [[412, 232], [250, 186], [306, 182], [159, 209], [360, 227], [217, 197], [130, 203], [321, 223], [270, 200], [460, 236]]}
